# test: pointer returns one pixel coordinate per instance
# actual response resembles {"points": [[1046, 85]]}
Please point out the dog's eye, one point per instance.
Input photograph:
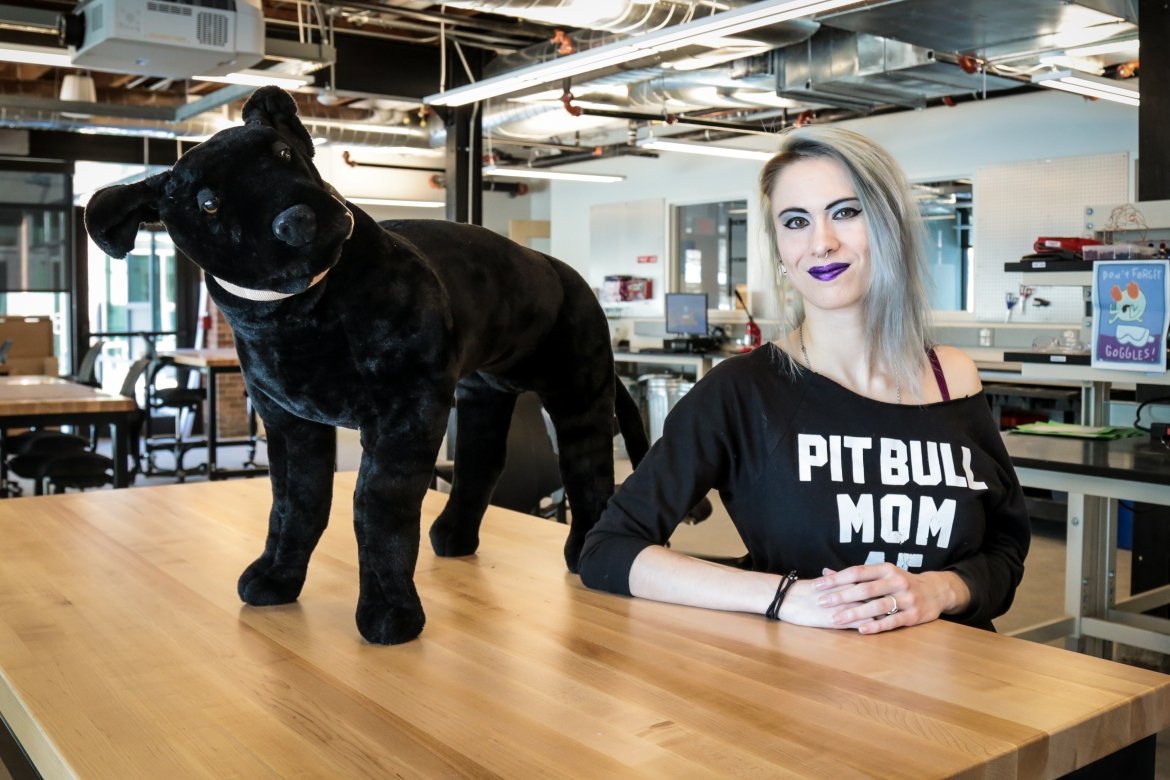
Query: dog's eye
{"points": [[284, 153], [208, 201]]}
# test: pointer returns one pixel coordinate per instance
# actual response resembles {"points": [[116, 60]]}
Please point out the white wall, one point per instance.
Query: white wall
{"points": [[936, 143]]}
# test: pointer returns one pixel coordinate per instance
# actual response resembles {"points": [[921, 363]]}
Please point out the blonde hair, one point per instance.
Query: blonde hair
{"points": [[896, 309]]}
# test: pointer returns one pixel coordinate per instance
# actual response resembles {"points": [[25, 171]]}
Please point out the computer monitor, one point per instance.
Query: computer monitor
{"points": [[686, 314]]}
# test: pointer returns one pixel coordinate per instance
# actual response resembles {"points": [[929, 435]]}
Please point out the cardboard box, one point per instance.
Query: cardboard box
{"points": [[32, 345]]}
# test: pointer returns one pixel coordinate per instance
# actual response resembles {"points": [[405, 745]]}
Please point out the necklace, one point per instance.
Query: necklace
{"points": [[807, 362]]}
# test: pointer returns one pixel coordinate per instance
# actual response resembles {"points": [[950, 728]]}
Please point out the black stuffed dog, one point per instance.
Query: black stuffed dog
{"points": [[340, 321]]}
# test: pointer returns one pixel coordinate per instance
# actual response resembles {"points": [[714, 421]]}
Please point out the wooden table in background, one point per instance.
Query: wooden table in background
{"points": [[29, 401], [124, 652], [213, 363]]}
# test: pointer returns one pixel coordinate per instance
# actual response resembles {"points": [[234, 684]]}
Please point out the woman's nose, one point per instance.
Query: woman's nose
{"points": [[824, 238]]}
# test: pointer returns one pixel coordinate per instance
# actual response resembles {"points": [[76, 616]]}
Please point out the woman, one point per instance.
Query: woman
{"points": [[860, 463]]}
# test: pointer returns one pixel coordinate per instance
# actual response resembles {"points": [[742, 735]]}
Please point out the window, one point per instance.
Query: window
{"points": [[36, 245], [947, 210], [710, 242]]}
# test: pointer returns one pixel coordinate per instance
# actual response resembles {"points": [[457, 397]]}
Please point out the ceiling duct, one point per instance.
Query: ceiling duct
{"points": [[992, 30], [149, 122], [624, 17], [719, 50], [857, 70]]}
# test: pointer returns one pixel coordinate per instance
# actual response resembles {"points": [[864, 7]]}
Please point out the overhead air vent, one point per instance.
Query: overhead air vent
{"points": [[861, 71]]}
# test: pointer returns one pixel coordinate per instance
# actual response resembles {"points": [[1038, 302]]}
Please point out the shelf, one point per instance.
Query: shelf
{"points": [[1054, 273], [1054, 358], [1046, 365]]}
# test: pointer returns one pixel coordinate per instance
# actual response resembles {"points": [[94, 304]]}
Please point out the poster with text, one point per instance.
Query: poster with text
{"points": [[1130, 314]]}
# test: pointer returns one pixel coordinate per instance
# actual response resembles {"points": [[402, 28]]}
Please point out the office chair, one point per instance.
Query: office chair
{"points": [[531, 480], [179, 398], [87, 370]]}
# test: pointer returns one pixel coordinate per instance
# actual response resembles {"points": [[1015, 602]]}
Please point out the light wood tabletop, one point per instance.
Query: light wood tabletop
{"points": [[125, 653], [28, 395]]}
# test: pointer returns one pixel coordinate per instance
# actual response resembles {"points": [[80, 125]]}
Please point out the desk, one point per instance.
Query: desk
{"points": [[213, 363], [159, 671], [28, 401], [700, 364], [1091, 472]]}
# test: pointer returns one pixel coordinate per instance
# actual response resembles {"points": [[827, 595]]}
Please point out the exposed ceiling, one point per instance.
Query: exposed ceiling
{"points": [[370, 63]]}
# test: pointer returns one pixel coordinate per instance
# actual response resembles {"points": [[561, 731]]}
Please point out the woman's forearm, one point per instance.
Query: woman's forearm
{"points": [[663, 575]]}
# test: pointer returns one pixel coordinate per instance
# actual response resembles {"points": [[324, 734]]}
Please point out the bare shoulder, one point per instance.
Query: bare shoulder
{"points": [[960, 371]]}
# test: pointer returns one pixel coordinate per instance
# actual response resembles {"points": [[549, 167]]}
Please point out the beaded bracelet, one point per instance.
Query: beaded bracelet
{"points": [[773, 612]]}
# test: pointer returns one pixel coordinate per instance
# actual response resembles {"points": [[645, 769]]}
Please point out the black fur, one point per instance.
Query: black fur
{"points": [[410, 314]]}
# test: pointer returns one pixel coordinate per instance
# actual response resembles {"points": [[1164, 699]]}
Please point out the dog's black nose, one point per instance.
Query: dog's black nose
{"points": [[296, 225]]}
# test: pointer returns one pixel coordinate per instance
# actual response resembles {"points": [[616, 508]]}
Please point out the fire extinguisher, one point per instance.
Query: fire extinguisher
{"points": [[752, 330]]}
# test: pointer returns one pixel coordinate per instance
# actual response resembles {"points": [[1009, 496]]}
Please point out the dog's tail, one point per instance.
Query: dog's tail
{"points": [[629, 420]]}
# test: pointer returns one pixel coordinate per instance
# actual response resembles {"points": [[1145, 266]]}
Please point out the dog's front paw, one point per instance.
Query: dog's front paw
{"points": [[265, 585], [451, 538], [389, 624]]}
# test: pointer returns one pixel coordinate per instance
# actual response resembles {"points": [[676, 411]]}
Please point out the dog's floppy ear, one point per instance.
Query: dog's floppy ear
{"points": [[274, 107], [114, 214]]}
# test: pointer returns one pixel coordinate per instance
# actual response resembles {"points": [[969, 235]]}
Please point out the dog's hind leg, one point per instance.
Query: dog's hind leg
{"points": [[302, 457], [585, 439], [483, 416]]}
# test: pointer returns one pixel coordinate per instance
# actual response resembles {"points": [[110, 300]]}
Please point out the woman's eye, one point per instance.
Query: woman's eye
{"points": [[849, 212], [795, 223]]}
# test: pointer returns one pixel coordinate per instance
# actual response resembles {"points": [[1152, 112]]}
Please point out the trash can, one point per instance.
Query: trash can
{"points": [[660, 392], [635, 391]]}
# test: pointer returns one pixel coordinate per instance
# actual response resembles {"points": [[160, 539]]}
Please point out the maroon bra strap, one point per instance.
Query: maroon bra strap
{"points": [[938, 374]]}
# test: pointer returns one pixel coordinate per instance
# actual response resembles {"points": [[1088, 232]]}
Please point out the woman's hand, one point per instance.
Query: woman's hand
{"points": [[802, 606], [880, 597]]}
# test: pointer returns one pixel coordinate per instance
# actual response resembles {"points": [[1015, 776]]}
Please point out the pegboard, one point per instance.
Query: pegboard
{"points": [[1018, 202]]}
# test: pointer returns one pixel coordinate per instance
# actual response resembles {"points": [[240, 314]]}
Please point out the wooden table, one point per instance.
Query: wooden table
{"points": [[213, 363], [28, 401], [125, 653]]}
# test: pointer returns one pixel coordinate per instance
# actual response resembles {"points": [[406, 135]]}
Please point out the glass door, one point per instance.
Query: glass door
{"points": [[132, 303]]}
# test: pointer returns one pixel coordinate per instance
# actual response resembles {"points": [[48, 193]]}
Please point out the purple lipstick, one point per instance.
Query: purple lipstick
{"points": [[827, 273]]}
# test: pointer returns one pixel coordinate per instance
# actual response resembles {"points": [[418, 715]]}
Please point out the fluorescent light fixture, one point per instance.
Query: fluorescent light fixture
{"points": [[258, 78], [35, 55], [725, 23], [412, 204], [1090, 86], [504, 172], [663, 145]]}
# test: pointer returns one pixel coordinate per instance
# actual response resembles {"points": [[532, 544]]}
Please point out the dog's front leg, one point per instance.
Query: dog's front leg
{"points": [[398, 457], [302, 457]]}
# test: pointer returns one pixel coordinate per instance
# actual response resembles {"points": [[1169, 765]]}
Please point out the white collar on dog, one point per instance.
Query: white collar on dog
{"points": [[262, 295]]}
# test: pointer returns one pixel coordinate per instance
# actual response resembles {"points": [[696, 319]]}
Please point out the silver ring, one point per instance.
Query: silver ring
{"points": [[895, 609]]}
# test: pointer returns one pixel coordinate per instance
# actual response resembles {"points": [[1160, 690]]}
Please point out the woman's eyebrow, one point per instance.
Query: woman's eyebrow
{"points": [[830, 207]]}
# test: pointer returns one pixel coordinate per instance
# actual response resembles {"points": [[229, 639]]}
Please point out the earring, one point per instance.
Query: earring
{"points": [[783, 269]]}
